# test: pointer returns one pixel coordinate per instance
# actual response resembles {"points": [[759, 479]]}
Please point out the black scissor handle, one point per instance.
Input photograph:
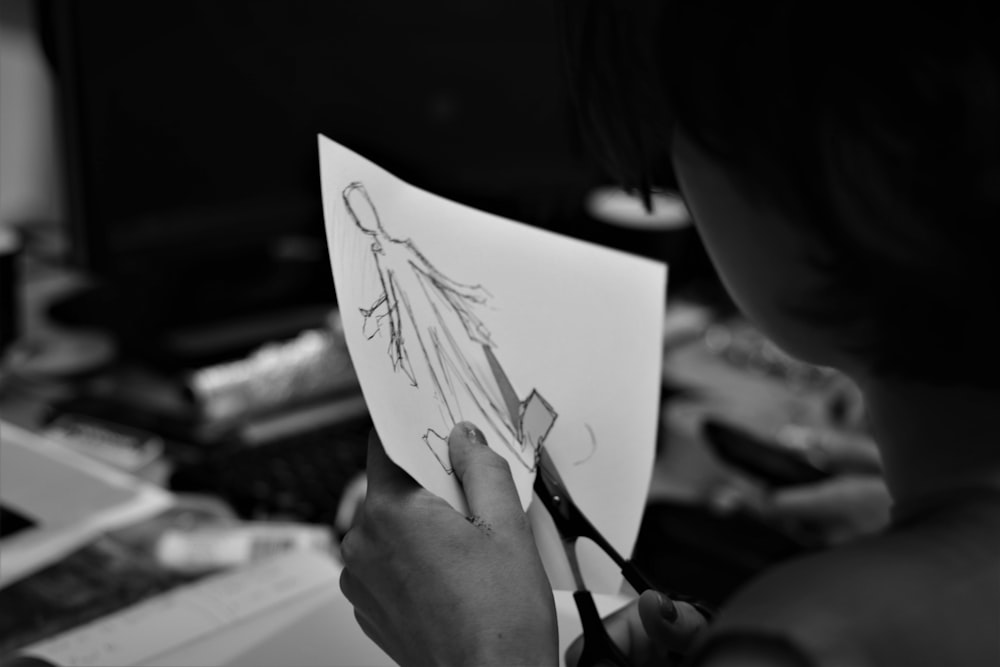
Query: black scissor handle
{"points": [[598, 647], [636, 579]]}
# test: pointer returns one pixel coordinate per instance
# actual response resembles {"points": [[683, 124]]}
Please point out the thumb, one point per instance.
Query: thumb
{"points": [[484, 475]]}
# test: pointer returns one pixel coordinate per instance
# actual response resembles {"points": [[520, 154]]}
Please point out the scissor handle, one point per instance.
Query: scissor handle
{"points": [[635, 578], [632, 574], [574, 524], [598, 647]]}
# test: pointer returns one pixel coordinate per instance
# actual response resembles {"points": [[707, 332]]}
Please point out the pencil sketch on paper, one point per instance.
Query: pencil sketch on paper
{"points": [[436, 335]]}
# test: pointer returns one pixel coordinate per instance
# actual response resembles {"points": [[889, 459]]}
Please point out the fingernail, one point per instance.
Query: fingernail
{"points": [[474, 435], [667, 608]]}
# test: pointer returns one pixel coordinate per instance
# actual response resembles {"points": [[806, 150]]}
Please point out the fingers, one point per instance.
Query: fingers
{"points": [[362, 601], [649, 630], [671, 625], [854, 452], [846, 506], [351, 499], [384, 476], [374, 632], [840, 450], [353, 590], [815, 502], [484, 475], [622, 626]]}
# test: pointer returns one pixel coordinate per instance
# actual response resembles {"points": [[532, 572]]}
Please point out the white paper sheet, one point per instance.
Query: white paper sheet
{"points": [[72, 498], [209, 607], [436, 296]]}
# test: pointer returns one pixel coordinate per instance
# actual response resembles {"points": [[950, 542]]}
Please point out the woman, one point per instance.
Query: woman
{"points": [[843, 169]]}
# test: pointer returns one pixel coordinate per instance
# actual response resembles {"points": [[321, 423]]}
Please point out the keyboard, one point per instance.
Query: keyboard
{"points": [[299, 476]]}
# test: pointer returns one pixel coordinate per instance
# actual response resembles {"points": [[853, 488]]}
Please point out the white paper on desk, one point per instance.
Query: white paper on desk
{"points": [[72, 498], [223, 605], [425, 286]]}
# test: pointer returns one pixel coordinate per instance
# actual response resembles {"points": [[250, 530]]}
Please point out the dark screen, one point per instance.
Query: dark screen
{"points": [[193, 124]]}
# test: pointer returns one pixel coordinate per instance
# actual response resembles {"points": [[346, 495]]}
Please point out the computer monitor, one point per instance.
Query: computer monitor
{"points": [[191, 133]]}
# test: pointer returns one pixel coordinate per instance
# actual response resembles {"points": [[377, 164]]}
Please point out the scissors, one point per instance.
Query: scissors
{"points": [[598, 647], [572, 524]]}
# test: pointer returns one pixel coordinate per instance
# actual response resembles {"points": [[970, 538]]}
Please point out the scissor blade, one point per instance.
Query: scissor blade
{"points": [[547, 467]]}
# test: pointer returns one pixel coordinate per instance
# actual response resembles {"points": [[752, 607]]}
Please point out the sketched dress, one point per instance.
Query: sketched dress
{"points": [[436, 336]]}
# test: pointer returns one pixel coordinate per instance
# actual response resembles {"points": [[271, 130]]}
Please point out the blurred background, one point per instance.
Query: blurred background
{"points": [[167, 306], [182, 135]]}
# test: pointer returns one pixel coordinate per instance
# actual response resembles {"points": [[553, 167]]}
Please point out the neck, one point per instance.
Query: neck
{"points": [[934, 440]]}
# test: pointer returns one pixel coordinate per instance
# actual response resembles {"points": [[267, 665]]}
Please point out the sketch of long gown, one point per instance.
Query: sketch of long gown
{"points": [[436, 336]]}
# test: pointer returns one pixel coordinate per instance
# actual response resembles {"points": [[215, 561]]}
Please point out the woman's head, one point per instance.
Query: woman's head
{"points": [[842, 166]]}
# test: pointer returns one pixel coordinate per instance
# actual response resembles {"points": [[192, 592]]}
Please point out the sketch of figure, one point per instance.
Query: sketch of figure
{"points": [[436, 336]]}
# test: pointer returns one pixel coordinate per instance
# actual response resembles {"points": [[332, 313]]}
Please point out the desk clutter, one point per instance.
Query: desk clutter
{"points": [[247, 482], [303, 475], [193, 611], [277, 438], [312, 364], [112, 570], [190, 584]]}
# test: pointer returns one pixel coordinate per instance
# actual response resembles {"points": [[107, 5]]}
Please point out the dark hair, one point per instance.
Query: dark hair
{"points": [[877, 131]]}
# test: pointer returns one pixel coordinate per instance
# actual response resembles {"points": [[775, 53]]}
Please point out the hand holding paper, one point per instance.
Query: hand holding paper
{"points": [[424, 599], [439, 300]]}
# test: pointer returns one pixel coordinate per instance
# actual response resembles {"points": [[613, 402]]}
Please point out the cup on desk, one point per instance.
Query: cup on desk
{"points": [[664, 233]]}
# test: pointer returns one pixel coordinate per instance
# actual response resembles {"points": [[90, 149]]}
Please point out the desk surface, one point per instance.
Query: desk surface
{"points": [[324, 632], [287, 610], [685, 473]]}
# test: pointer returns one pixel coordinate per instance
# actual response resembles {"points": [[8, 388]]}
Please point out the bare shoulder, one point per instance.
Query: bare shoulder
{"points": [[923, 594], [751, 650]]}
